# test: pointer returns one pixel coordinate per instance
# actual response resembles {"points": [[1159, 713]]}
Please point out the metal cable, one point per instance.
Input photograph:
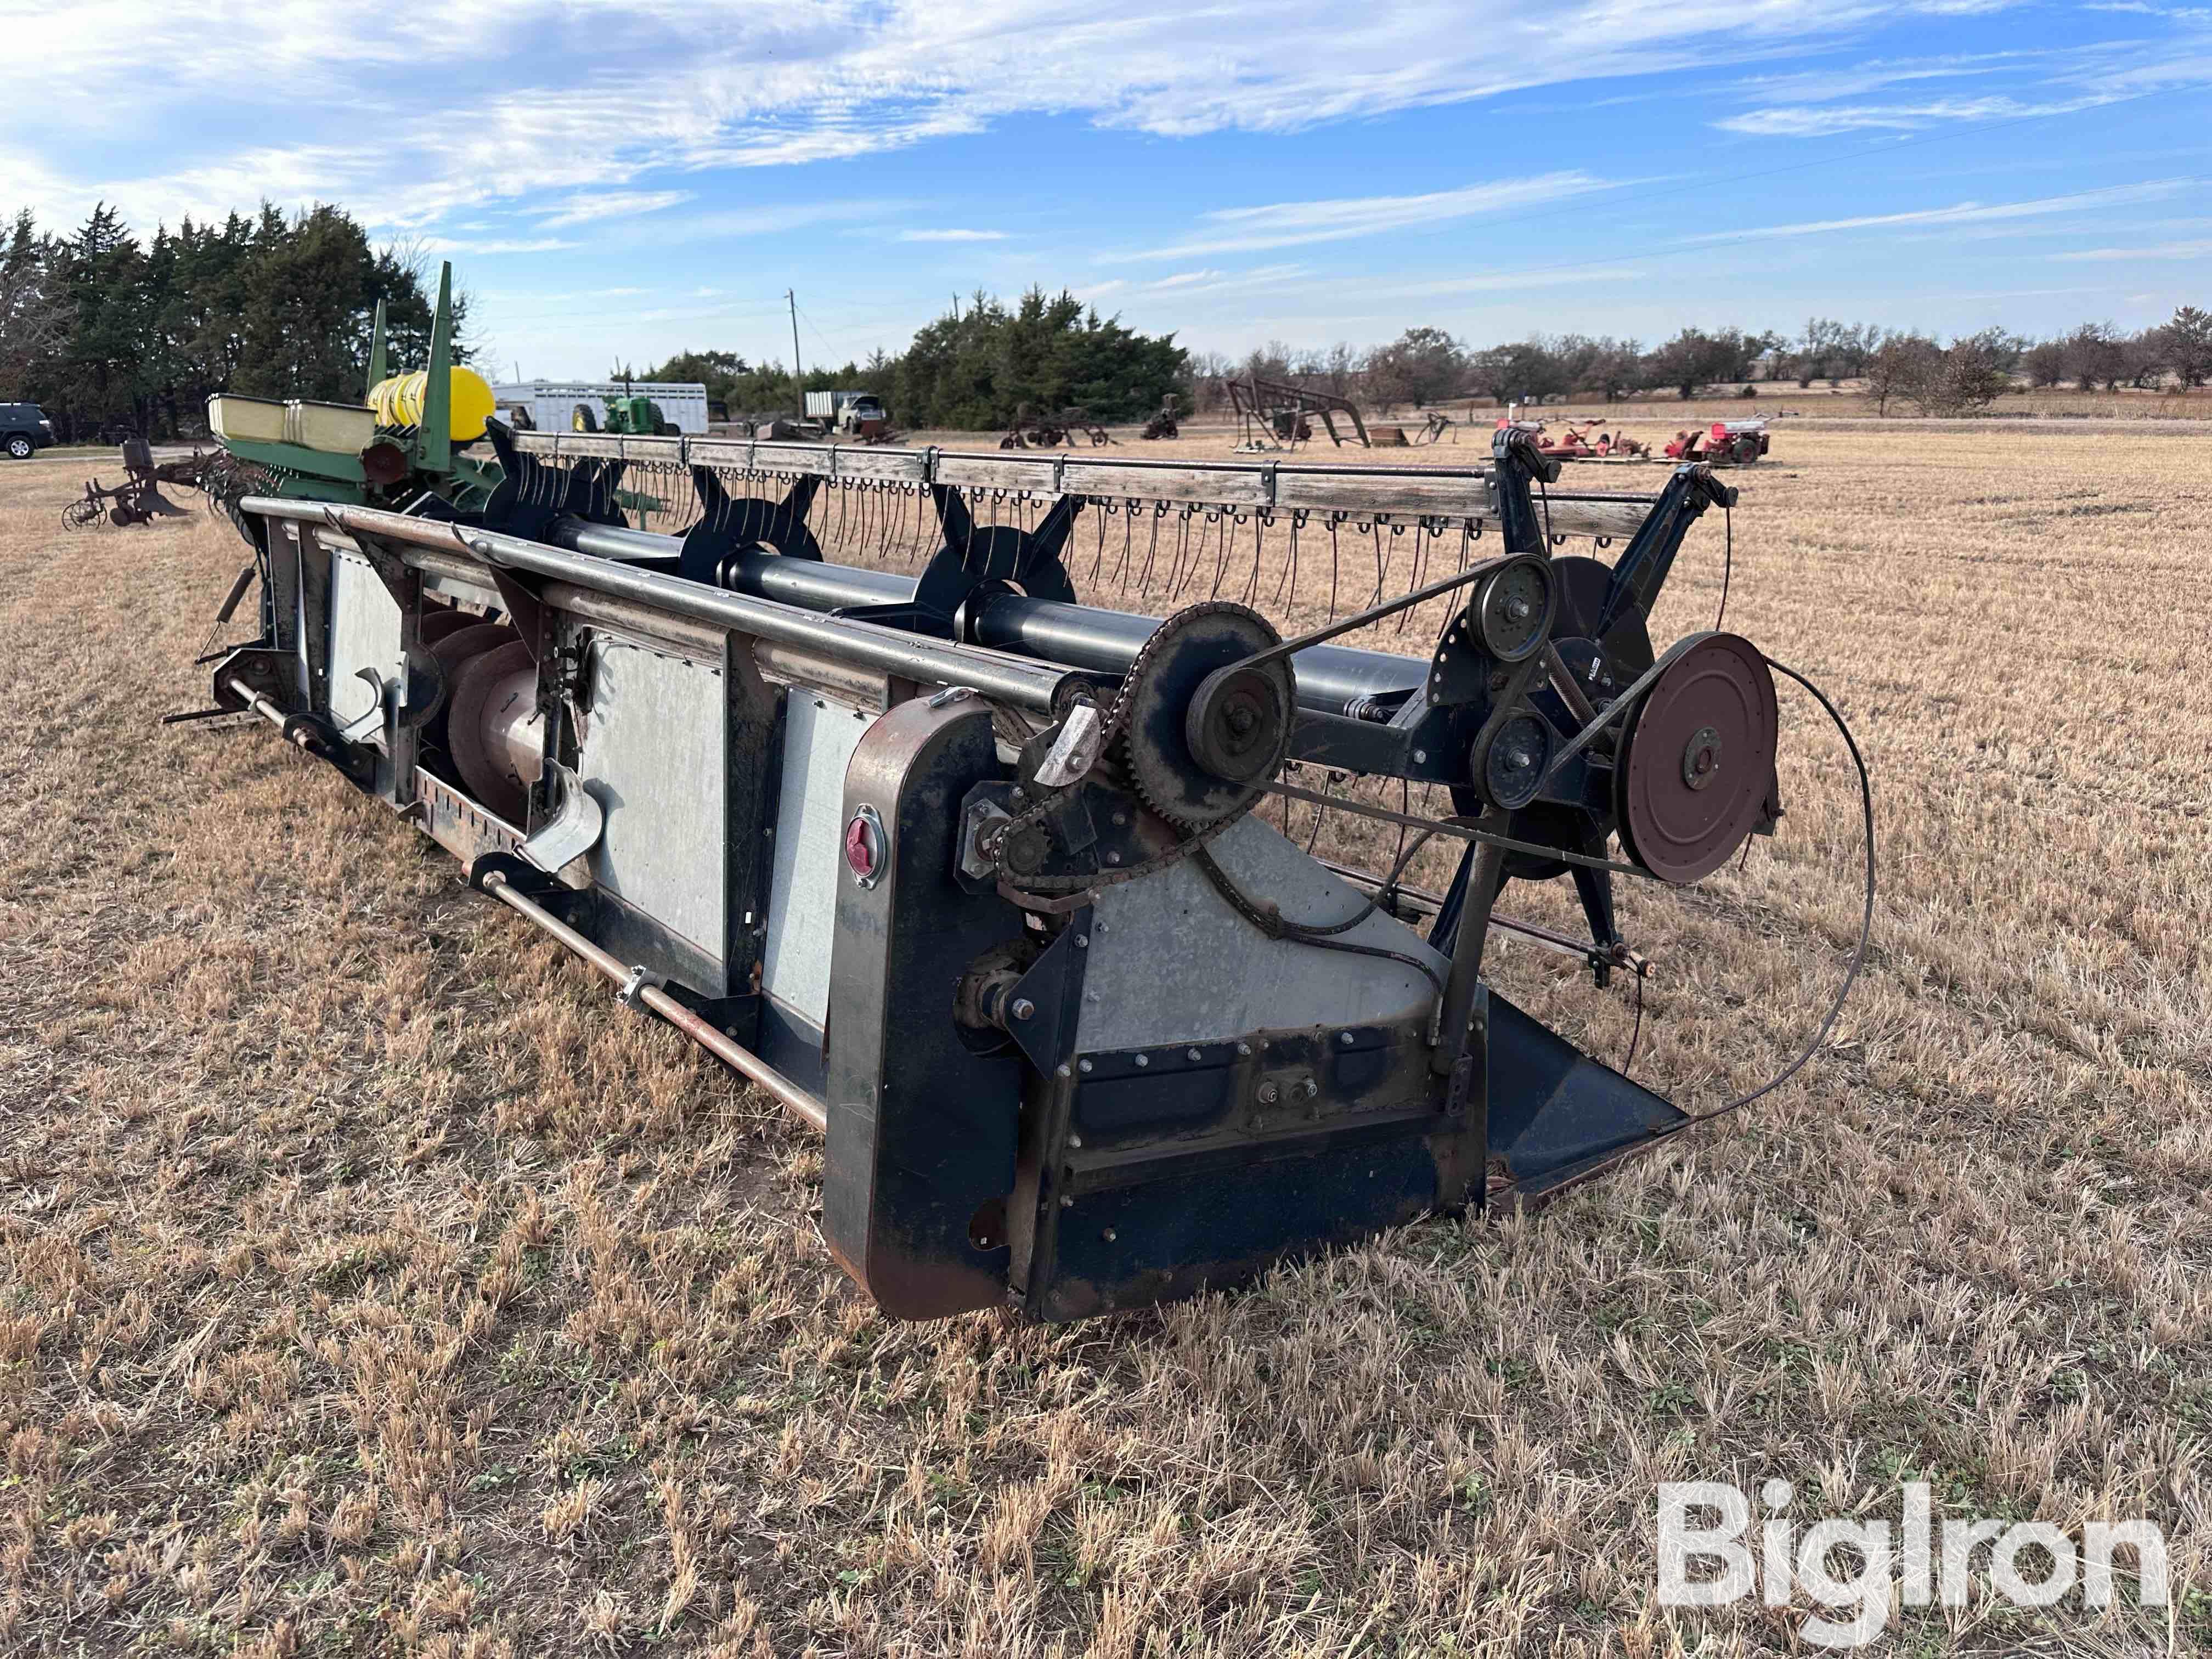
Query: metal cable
{"points": [[1842, 992]]}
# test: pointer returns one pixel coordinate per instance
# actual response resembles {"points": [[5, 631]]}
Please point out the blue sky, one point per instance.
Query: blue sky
{"points": [[615, 179]]}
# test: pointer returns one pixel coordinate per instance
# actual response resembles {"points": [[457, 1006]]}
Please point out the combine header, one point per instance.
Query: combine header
{"points": [[969, 873]]}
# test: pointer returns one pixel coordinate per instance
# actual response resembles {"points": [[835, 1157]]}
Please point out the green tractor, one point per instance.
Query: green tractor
{"points": [[627, 417]]}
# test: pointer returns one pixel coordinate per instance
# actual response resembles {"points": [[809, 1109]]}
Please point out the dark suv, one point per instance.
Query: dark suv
{"points": [[23, 430]]}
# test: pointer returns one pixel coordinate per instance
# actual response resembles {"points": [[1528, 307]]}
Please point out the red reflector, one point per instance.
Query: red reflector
{"points": [[860, 848]]}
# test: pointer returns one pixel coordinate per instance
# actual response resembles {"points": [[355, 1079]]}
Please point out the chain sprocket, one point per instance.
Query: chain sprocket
{"points": [[1114, 742], [1153, 736]]}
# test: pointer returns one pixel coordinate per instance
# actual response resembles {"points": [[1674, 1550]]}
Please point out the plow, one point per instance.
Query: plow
{"points": [[138, 499], [848, 774], [1036, 429]]}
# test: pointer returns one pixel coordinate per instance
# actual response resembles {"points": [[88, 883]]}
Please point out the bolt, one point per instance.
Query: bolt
{"points": [[1345, 1037], [1242, 721], [1066, 1202], [1063, 1070], [1518, 609], [1193, 1053], [1107, 1235], [1144, 1061], [1016, 796], [1269, 1094], [1082, 941], [1075, 1141], [1120, 818], [1420, 756], [1311, 1087], [1245, 1050], [1084, 1065], [1023, 1008], [1519, 759], [1113, 858]]}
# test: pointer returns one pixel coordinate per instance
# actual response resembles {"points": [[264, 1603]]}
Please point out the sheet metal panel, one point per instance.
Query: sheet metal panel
{"points": [[653, 757], [364, 633], [819, 736], [1171, 962]]}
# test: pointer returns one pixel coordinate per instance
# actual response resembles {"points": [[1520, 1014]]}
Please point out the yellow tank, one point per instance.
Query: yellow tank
{"points": [[398, 401]]}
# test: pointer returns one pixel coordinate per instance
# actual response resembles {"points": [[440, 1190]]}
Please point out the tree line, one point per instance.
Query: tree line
{"points": [[1427, 366], [975, 368], [109, 333], [107, 330]]}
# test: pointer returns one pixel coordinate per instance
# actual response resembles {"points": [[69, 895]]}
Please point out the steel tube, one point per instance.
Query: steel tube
{"points": [[748, 1065], [1422, 902], [1330, 678], [1004, 678], [259, 704]]}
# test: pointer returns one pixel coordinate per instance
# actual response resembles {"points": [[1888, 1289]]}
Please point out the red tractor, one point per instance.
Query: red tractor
{"points": [[1725, 443]]}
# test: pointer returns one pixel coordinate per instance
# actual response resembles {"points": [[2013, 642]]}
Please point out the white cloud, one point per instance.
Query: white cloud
{"points": [[2156, 251], [1803, 121], [587, 207], [1960, 213], [450, 245], [1290, 224], [950, 234], [411, 115]]}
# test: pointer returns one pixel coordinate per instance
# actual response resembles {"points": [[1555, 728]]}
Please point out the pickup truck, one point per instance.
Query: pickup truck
{"points": [[24, 430]]}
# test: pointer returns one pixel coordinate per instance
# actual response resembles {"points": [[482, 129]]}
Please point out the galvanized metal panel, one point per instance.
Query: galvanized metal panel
{"points": [[1171, 962], [364, 633], [653, 756], [819, 736]]}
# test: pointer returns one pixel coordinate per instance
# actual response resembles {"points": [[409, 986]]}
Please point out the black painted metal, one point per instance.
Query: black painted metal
{"points": [[1331, 677], [532, 493], [922, 1129], [1553, 1110], [743, 525], [1641, 570], [1179, 1170]]}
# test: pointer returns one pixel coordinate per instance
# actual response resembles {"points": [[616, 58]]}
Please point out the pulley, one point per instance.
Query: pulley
{"points": [[1694, 774]]}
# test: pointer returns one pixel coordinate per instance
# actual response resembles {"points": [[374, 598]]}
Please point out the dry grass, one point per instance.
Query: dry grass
{"points": [[370, 1281]]}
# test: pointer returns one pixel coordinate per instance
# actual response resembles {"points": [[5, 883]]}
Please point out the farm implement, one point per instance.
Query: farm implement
{"points": [[974, 876], [1275, 414], [138, 499], [1724, 443]]}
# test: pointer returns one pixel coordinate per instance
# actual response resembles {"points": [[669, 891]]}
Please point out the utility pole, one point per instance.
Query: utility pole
{"points": [[798, 382]]}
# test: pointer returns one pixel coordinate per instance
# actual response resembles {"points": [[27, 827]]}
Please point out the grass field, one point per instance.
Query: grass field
{"points": [[371, 1281]]}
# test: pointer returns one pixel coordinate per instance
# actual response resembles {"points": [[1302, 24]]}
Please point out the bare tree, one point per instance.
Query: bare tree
{"points": [[1902, 368]]}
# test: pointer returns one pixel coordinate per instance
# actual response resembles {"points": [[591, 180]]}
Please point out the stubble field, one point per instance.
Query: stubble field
{"points": [[371, 1281]]}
